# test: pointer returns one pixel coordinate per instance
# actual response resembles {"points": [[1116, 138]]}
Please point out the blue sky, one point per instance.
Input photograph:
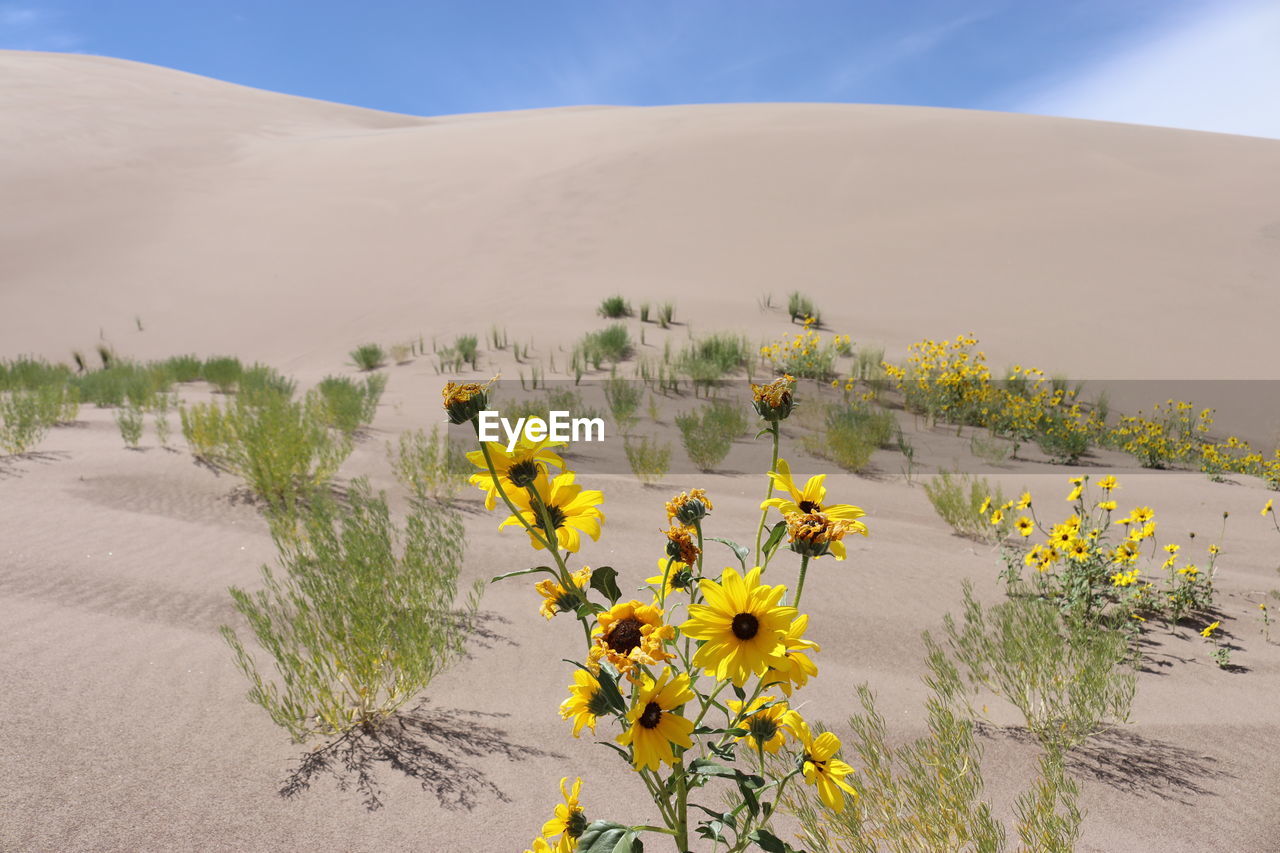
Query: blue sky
{"points": [[1201, 64]]}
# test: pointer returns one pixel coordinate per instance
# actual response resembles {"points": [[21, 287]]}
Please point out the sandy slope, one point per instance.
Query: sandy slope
{"points": [[276, 228]]}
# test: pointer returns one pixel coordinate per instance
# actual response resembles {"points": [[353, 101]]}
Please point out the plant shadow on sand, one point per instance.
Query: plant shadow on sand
{"points": [[435, 746], [9, 464], [1134, 764]]}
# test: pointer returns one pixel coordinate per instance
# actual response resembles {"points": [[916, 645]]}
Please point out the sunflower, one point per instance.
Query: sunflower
{"points": [[1266, 510], [764, 727], [540, 845], [820, 766], [1024, 501], [556, 598], [569, 821], [813, 534], [629, 633], [516, 469], [586, 702], [1025, 526], [773, 401], [796, 668], [678, 579], [1208, 631], [689, 507], [810, 498], [741, 625], [573, 510], [1078, 550], [655, 725], [1108, 483]]}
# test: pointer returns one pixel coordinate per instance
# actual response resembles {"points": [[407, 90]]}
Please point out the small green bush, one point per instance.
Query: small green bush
{"points": [[185, 368], [966, 503], [130, 421], [368, 357], [666, 314], [1069, 679], [615, 307], [648, 458], [24, 421], [708, 360], [30, 374], [606, 345], [222, 372], [350, 405], [851, 433], [800, 307], [623, 397], [468, 349], [430, 466], [359, 617], [261, 379], [708, 434]]}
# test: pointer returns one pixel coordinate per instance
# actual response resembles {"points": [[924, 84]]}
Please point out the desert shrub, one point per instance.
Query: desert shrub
{"points": [[645, 312], [23, 421], [666, 314], [130, 421], [804, 355], [222, 372], [261, 379], [707, 434], [612, 344], [623, 397], [708, 360], [280, 447], [359, 617], [401, 353], [184, 368], [1170, 436], [348, 404], [851, 433], [29, 374], [430, 466], [1070, 679], [164, 402], [1063, 439], [615, 307], [468, 349], [368, 357], [801, 307], [967, 503], [648, 458]]}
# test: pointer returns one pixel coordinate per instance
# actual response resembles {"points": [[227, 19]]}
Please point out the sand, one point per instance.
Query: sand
{"points": [[223, 219]]}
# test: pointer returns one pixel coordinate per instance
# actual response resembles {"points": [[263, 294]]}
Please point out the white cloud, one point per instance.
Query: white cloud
{"points": [[1218, 71]]}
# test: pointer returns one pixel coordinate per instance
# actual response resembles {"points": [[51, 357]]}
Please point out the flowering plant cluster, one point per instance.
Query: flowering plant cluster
{"points": [[805, 354], [694, 678], [1102, 567]]}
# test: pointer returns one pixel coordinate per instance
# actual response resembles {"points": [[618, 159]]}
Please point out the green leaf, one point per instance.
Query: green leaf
{"points": [[775, 536], [604, 580], [605, 836], [546, 569], [707, 767], [769, 842], [588, 609], [738, 550]]}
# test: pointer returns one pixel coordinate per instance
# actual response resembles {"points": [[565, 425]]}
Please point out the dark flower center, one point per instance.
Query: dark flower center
{"points": [[625, 636], [651, 716], [745, 626], [523, 473], [810, 506]]}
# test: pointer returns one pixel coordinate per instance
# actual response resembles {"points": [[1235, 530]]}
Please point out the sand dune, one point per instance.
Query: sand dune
{"points": [[227, 219]]}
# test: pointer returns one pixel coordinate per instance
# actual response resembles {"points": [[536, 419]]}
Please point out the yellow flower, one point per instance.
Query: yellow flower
{"points": [[1266, 510], [997, 516], [586, 702], [1108, 483], [516, 469], [821, 768], [1025, 526], [1214, 550], [773, 401], [572, 509], [796, 668], [679, 579], [1208, 631], [1075, 494], [1190, 571], [986, 505], [1142, 514], [1078, 549], [764, 727], [814, 534], [1172, 548], [689, 507], [629, 633], [741, 624], [810, 498], [540, 845], [1024, 501], [655, 725], [556, 598], [569, 821], [463, 401], [1109, 506]]}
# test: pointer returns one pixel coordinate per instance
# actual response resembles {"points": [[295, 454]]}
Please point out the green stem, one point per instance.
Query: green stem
{"points": [[497, 484], [804, 567], [682, 807], [764, 513]]}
